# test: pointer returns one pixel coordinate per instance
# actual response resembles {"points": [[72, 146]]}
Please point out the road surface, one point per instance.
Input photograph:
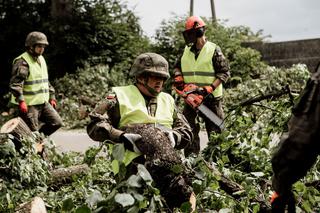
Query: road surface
{"points": [[79, 141]]}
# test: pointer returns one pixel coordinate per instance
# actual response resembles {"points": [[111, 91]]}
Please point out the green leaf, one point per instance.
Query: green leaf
{"points": [[134, 181], [144, 174], [67, 205], [94, 198], [118, 152], [133, 209], [83, 209], [124, 199]]}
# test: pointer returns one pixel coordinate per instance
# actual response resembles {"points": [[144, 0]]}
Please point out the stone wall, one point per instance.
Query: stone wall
{"points": [[287, 53]]}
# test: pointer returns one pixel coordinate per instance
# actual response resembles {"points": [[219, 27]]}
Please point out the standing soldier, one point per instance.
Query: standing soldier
{"points": [[142, 103], [30, 87], [204, 65]]}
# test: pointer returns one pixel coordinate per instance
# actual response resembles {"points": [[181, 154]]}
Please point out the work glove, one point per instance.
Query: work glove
{"points": [[178, 82], [129, 140], [53, 103], [23, 107], [170, 135], [206, 90], [279, 203]]}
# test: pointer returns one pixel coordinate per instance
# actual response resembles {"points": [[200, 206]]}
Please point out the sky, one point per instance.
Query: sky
{"points": [[283, 20]]}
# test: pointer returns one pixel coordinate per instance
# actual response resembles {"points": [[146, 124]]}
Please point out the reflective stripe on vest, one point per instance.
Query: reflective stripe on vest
{"points": [[36, 86], [133, 108], [200, 71]]}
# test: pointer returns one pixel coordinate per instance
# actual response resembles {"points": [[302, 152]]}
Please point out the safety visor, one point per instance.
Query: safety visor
{"points": [[190, 36]]}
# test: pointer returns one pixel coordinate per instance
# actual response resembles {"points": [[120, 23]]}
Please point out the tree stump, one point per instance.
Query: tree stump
{"points": [[19, 130], [36, 205]]}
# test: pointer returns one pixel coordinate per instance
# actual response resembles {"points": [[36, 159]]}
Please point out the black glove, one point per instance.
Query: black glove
{"points": [[129, 140], [280, 202]]}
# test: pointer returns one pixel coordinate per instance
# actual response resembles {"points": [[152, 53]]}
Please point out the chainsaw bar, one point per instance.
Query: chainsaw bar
{"points": [[211, 116]]}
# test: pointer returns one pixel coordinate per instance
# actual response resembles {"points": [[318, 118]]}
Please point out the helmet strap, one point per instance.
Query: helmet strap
{"points": [[32, 51], [152, 92]]}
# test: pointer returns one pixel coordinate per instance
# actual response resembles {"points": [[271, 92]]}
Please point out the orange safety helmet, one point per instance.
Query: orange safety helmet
{"points": [[194, 22]]}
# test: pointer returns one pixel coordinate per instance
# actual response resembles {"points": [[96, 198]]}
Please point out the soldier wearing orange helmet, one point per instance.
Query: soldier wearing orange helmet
{"points": [[203, 64]]}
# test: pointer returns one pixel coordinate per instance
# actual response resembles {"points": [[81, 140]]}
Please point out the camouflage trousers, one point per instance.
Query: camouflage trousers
{"points": [[43, 118], [215, 105]]}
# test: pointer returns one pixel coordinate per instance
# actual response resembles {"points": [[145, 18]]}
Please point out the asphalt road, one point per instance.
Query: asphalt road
{"points": [[79, 141]]}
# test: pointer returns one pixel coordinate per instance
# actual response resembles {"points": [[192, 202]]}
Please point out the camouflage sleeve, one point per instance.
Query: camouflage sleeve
{"points": [[221, 65], [52, 92], [104, 118], [291, 162], [20, 72], [182, 129], [177, 67]]}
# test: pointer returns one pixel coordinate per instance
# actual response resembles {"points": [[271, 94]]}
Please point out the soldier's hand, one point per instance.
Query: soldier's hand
{"points": [[178, 82], [23, 107], [53, 103], [279, 203], [206, 90], [170, 135], [129, 140]]}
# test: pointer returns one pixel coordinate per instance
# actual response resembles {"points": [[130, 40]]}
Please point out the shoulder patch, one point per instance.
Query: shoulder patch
{"points": [[111, 96]]}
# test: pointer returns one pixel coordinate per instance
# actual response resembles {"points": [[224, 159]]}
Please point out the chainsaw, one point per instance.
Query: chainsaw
{"points": [[193, 96]]}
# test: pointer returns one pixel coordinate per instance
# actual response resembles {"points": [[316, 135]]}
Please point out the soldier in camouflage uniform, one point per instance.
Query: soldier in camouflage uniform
{"points": [[30, 88], [203, 64], [141, 103], [299, 148]]}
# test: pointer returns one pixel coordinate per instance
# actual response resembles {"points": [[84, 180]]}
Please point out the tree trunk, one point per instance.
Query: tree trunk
{"points": [[19, 130], [36, 205]]}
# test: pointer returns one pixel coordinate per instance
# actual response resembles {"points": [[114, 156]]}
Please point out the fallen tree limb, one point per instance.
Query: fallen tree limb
{"points": [[235, 190], [273, 95], [64, 175]]}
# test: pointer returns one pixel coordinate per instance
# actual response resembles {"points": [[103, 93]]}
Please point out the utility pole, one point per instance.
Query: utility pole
{"points": [[213, 12], [191, 7]]}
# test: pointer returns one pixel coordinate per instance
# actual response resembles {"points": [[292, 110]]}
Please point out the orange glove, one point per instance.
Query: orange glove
{"points": [[208, 89], [23, 107], [178, 82], [273, 197], [53, 103], [280, 202]]}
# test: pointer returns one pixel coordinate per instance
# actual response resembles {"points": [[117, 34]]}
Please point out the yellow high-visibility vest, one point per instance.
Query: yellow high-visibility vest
{"points": [[133, 109], [201, 71], [36, 86]]}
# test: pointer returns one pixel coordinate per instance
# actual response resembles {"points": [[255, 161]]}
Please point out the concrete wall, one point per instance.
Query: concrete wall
{"points": [[287, 53]]}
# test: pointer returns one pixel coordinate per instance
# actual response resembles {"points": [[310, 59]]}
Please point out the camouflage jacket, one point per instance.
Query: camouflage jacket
{"points": [[299, 148], [106, 116], [219, 61], [20, 72]]}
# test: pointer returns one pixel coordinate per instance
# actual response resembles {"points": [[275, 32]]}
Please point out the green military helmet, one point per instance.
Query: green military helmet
{"points": [[36, 38], [150, 63]]}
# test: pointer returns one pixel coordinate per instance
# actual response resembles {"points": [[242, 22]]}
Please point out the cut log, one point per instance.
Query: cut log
{"points": [[62, 175], [16, 127], [19, 129], [36, 205]]}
